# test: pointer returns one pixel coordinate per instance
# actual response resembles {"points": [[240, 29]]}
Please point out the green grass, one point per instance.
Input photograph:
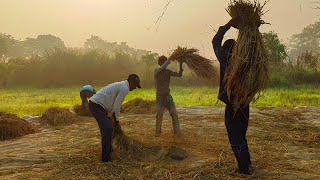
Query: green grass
{"points": [[31, 101]]}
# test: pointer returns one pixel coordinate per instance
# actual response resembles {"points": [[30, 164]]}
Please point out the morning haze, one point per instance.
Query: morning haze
{"points": [[186, 22]]}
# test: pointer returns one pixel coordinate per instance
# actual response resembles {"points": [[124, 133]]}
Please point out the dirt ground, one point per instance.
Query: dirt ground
{"points": [[284, 144]]}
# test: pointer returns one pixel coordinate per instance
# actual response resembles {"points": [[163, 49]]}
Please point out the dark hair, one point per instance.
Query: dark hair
{"points": [[228, 45], [162, 59]]}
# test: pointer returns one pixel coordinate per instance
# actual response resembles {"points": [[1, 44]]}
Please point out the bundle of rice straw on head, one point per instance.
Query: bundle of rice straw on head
{"points": [[247, 74], [202, 67]]}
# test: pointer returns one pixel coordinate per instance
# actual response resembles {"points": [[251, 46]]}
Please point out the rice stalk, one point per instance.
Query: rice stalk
{"points": [[201, 66], [248, 72]]}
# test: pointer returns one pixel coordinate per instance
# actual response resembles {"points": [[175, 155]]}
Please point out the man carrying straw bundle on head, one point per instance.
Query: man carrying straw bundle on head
{"points": [[243, 73], [107, 102], [86, 92], [164, 100], [236, 122]]}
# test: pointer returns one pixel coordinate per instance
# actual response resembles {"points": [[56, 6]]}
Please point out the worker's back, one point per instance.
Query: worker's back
{"points": [[162, 81]]}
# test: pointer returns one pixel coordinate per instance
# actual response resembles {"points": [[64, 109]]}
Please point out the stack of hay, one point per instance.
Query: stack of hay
{"points": [[247, 74], [139, 106], [11, 126], [58, 116], [81, 111], [201, 66]]}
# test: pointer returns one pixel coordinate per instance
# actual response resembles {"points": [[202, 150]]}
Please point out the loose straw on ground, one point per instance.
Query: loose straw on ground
{"points": [[125, 147]]}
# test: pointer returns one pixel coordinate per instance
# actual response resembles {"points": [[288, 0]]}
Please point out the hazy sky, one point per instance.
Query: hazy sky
{"points": [[186, 22]]}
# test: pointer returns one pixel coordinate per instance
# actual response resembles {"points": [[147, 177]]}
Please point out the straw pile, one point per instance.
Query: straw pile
{"points": [[139, 106], [58, 116], [11, 126], [125, 147], [247, 74], [201, 66], [81, 111]]}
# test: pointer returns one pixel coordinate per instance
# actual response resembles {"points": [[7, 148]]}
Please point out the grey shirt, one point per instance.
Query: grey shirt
{"points": [[162, 78]]}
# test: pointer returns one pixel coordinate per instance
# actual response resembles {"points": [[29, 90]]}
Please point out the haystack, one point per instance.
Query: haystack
{"points": [[11, 126], [58, 116], [247, 74], [81, 111], [201, 66], [139, 106]]}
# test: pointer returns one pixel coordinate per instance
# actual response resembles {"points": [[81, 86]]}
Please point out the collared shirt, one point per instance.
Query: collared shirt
{"points": [[111, 97], [224, 59], [88, 88], [162, 78]]}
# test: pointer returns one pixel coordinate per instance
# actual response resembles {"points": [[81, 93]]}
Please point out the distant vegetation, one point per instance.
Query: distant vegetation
{"points": [[34, 101], [46, 62]]}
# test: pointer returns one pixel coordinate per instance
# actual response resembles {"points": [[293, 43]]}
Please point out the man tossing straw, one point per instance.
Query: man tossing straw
{"points": [[107, 102], [236, 122], [163, 98]]}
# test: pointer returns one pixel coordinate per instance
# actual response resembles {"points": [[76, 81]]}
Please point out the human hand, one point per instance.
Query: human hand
{"points": [[234, 22]]}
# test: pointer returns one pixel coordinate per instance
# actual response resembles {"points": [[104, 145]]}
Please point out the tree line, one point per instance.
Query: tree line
{"points": [[45, 61]]}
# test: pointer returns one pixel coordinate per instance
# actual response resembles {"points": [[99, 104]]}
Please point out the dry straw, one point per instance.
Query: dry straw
{"points": [[201, 66], [125, 147], [139, 106], [11, 126], [58, 117], [81, 111], [247, 74]]}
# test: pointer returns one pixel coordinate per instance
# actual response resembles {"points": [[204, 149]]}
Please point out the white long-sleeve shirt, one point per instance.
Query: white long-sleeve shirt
{"points": [[111, 97]]}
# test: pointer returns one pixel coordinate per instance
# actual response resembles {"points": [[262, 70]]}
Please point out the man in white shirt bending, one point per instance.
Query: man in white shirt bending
{"points": [[107, 102]]}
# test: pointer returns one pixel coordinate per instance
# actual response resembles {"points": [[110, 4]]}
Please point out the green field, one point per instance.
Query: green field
{"points": [[31, 101]]}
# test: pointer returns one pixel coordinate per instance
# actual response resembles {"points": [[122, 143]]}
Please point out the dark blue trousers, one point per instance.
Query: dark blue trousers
{"points": [[237, 124], [105, 125]]}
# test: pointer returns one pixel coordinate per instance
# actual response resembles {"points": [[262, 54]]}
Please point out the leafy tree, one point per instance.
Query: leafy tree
{"points": [[97, 43], [6, 42], [42, 44], [308, 39], [308, 60], [150, 59], [276, 50]]}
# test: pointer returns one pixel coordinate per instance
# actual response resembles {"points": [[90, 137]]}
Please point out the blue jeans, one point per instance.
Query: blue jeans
{"points": [[106, 127], [237, 124]]}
